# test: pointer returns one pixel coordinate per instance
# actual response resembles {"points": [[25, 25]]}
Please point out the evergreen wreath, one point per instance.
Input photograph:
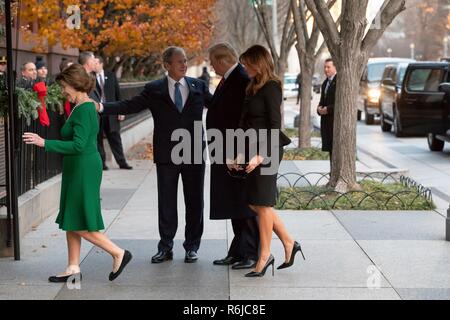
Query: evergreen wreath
{"points": [[28, 101]]}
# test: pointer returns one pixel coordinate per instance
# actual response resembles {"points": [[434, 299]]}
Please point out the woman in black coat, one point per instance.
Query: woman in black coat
{"points": [[262, 114]]}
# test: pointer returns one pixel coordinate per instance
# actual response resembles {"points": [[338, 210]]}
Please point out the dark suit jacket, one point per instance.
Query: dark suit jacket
{"points": [[227, 195], [95, 93], [225, 109], [262, 111], [167, 118], [112, 93], [326, 121]]}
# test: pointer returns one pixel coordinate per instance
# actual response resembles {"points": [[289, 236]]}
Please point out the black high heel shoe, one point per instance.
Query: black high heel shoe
{"points": [[297, 247], [270, 262]]}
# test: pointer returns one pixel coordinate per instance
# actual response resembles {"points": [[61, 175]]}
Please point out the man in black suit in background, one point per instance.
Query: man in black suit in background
{"points": [[326, 107], [176, 102], [227, 193], [109, 89], [89, 63]]}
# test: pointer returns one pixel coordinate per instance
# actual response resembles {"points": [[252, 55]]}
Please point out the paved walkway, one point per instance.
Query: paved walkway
{"points": [[350, 255]]}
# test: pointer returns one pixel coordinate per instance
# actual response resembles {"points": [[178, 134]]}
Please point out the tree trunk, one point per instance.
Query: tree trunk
{"points": [[304, 128], [280, 70], [343, 175]]}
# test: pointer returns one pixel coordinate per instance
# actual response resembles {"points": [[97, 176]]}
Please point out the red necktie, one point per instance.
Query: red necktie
{"points": [[220, 85]]}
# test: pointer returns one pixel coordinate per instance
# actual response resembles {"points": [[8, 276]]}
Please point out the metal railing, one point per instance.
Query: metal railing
{"points": [[309, 191]]}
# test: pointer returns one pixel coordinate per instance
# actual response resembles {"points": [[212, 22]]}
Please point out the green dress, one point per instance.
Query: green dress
{"points": [[82, 170]]}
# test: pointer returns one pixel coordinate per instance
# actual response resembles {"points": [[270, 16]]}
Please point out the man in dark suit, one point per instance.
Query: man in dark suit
{"points": [[87, 60], [227, 193], [176, 102], [28, 76], [326, 107], [109, 89]]}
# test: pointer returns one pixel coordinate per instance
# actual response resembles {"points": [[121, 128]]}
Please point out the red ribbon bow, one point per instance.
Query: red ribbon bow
{"points": [[41, 90], [67, 108]]}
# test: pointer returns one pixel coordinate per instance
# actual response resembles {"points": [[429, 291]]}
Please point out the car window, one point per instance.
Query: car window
{"points": [[401, 75], [289, 80], [425, 80], [375, 71], [387, 73]]}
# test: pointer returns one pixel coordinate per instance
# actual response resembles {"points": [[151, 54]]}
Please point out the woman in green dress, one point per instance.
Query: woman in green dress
{"points": [[79, 211]]}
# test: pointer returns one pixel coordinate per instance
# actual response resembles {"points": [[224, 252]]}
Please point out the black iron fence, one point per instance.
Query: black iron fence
{"points": [[33, 164], [379, 191]]}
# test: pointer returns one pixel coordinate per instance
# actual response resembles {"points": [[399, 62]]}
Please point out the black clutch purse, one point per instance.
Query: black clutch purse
{"points": [[239, 174]]}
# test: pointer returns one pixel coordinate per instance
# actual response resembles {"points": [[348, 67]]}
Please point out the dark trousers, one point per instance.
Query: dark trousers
{"points": [[114, 140], [245, 244], [193, 177]]}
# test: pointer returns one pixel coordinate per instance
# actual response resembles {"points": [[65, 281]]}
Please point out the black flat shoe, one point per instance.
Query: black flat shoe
{"points": [[71, 277], [225, 261], [162, 256], [255, 274], [297, 247], [126, 259]]}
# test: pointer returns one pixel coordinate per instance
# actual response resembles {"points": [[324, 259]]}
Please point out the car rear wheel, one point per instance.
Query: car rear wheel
{"points": [[385, 127], [434, 143]]}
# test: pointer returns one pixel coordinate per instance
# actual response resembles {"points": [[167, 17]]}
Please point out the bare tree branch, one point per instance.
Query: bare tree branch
{"points": [[320, 11], [387, 14], [264, 24]]}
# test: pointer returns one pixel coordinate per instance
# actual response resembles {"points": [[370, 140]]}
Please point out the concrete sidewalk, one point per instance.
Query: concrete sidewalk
{"points": [[350, 255]]}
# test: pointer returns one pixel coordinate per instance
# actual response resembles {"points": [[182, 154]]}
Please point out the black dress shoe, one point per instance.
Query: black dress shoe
{"points": [[126, 259], [225, 261], [162, 256], [105, 168], [191, 256], [126, 167], [61, 279], [244, 264]]}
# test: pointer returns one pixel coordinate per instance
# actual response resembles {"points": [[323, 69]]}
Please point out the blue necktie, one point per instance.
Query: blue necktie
{"points": [[328, 86], [178, 97]]}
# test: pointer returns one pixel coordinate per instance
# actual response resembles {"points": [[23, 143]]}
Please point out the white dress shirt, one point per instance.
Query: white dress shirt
{"points": [[101, 80], [227, 74], [183, 88]]}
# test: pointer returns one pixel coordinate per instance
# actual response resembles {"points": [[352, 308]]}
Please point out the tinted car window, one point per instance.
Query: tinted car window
{"points": [[425, 80], [401, 74], [387, 73]]}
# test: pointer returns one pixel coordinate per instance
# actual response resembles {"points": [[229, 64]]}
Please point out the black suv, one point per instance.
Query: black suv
{"points": [[369, 89], [391, 88], [422, 104]]}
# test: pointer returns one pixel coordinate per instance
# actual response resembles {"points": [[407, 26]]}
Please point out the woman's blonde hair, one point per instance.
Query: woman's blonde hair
{"points": [[260, 59]]}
